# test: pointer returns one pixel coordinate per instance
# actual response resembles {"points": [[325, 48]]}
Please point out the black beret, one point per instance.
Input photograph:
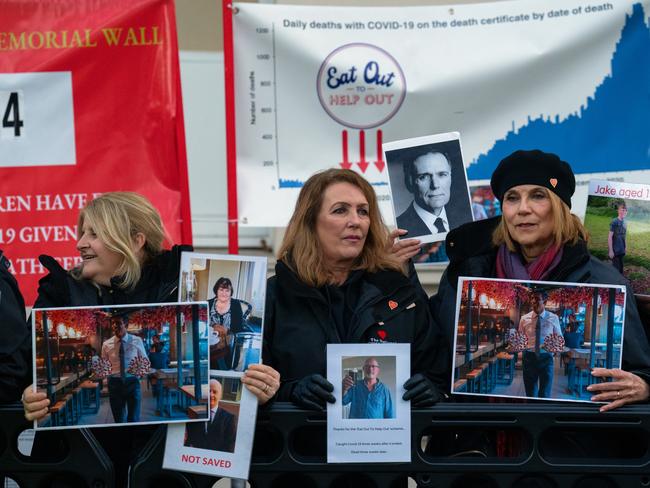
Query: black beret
{"points": [[534, 168]]}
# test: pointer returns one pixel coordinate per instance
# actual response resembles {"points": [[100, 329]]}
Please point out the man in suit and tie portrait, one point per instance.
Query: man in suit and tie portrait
{"points": [[220, 432], [429, 190], [428, 178]]}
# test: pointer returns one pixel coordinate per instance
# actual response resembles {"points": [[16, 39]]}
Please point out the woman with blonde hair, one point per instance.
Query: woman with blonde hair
{"points": [[538, 238], [120, 243], [336, 282]]}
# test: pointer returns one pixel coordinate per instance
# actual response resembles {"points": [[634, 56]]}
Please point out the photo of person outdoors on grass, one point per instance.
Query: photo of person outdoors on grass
{"points": [[618, 220]]}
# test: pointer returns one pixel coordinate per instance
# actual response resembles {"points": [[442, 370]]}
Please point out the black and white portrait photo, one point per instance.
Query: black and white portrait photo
{"points": [[429, 185]]}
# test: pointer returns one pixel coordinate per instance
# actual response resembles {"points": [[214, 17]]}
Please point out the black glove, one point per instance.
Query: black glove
{"points": [[422, 391], [312, 392]]}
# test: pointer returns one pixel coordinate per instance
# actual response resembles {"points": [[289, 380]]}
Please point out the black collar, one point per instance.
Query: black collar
{"points": [[387, 281], [471, 239]]}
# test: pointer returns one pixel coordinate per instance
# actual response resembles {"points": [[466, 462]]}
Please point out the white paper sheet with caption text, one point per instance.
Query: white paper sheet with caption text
{"points": [[369, 440]]}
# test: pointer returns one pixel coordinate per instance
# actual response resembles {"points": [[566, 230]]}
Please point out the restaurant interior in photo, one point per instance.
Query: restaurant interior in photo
{"points": [[170, 362], [490, 343]]}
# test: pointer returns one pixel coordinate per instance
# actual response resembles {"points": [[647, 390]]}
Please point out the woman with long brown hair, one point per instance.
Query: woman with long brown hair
{"points": [[336, 282]]}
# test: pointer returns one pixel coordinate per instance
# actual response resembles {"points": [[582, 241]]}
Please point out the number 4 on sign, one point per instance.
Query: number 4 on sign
{"points": [[11, 117]]}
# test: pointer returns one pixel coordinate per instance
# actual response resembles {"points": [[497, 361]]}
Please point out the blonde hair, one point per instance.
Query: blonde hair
{"points": [[567, 228], [301, 249], [116, 218]]}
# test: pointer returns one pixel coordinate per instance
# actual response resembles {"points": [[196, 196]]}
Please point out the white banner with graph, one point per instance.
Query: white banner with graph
{"points": [[321, 87]]}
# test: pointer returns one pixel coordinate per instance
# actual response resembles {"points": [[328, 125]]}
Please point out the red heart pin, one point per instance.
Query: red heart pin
{"points": [[553, 182], [381, 334], [392, 304]]}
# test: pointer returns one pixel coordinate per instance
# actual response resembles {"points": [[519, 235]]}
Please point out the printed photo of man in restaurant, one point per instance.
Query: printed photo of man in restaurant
{"points": [[520, 339], [126, 364]]}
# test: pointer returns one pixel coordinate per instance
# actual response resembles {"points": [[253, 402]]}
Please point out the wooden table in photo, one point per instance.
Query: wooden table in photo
{"points": [[66, 380], [575, 384], [197, 412], [167, 373], [483, 348], [582, 353], [189, 392]]}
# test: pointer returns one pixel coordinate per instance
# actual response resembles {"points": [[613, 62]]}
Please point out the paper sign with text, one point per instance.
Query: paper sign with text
{"points": [[369, 423], [223, 445], [235, 287]]}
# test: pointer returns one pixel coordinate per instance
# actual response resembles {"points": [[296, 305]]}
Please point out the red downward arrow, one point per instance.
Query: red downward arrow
{"points": [[363, 164], [380, 154], [346, 164]]}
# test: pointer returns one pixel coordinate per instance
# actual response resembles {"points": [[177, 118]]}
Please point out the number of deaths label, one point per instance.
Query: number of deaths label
{"points": [[37, 119]]}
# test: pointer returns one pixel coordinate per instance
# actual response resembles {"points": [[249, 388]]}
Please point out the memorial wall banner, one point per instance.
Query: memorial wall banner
{"points": [[320, 87], [90, 102]]}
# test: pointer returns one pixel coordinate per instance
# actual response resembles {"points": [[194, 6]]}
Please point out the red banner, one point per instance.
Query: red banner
{"points": [[90, 102]]}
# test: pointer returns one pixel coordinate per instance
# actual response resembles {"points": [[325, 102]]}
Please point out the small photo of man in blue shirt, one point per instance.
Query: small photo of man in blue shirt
{"points": [[369, 398]]}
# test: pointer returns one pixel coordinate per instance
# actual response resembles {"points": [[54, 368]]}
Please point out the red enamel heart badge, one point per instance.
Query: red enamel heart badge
{"points": [[553, 182], [381, 334], [392, 304]]}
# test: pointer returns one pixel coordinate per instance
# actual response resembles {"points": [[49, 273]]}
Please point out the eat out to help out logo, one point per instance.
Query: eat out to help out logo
{"points": [[361, 86]]}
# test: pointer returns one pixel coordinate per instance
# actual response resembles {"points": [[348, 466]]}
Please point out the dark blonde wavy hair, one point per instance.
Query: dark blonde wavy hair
{"points": [[117, 217], [567, 227], [302, 251]]}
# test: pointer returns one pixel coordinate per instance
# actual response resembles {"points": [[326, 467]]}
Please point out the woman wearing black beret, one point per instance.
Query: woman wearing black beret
{"points": [[538, 238]]}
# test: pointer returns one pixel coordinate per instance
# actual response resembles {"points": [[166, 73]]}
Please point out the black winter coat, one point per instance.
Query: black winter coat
{"points": [[298, 326], [471, 253], [15, 346]]}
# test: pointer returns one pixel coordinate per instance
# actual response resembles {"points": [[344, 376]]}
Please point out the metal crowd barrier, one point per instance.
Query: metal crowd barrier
{"points": [[76, 461], [453, 445]]}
